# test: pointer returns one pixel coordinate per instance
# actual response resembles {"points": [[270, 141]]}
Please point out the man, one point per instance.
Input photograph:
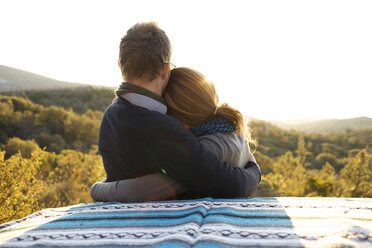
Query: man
{"points": [[136, 137]]}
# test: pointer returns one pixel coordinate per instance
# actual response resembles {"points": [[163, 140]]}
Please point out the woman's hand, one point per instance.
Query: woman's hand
{"points": [[252, 158]]}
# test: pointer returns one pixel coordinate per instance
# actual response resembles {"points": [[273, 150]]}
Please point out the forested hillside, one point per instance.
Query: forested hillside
{"points": [[48, 154], [295, 164], [79, 99]]}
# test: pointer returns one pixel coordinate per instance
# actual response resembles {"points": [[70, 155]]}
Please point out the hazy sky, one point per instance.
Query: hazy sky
{"points": [[270, 59]]}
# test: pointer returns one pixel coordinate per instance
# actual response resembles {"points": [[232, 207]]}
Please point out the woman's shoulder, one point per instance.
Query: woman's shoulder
{"points": [[230, 139], [231, 147]]}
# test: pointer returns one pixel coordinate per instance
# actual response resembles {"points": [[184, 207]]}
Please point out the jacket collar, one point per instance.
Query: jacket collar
{"points": [[126, 87], [145, 102]]}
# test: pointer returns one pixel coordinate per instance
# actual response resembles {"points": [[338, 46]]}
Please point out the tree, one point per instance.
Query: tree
{"points": [[25, 147], [74, 174], [317, 187], [265, 162], [324, 158], [288, 177], [327, 173], [301, 151], [265, 189], [357, 176], [19, 187]]}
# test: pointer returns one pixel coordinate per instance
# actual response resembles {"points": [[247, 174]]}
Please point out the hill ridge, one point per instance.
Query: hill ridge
{"points": [[14, 79], [327, 125]]}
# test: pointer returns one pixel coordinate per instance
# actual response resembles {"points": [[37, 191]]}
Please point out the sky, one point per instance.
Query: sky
{"points": [[272, 60]]}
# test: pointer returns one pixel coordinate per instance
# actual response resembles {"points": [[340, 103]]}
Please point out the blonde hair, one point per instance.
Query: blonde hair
{"points": [[193, 100]]}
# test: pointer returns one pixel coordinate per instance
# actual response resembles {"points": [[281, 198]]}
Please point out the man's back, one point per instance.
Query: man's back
{"points": [[126, 140], [134, 141]]}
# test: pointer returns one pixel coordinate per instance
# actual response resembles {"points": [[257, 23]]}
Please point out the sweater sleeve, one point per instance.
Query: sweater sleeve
{"points": [[151, 187], [189, 162], [230, 147]]}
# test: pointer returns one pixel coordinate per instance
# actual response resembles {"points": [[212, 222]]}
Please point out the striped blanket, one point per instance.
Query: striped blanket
{"points": [[256, 222]]}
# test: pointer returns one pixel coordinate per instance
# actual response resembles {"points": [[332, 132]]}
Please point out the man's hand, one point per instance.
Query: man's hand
{"points": [[115, 99]]}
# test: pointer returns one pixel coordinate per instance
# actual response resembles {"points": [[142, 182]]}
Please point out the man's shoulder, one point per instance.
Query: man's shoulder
{"points": [[124, 111]]}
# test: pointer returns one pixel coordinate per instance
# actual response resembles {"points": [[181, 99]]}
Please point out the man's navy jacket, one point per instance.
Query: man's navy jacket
{"points": [[135, 141]]}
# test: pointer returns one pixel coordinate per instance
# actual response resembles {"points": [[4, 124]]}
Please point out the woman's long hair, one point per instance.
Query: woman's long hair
{"points": [[193, 100]]}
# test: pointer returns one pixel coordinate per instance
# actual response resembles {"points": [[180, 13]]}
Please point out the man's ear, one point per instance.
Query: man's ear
{"points": [[119, 63], [165, 71]]}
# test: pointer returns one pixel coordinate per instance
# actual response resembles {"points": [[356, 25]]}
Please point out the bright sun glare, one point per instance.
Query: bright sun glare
{"points": [[270, 59]]}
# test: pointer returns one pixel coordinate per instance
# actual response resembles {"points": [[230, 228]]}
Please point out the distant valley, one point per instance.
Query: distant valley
{"points": [[325, 125]]}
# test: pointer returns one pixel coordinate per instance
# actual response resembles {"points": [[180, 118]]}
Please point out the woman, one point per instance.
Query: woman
{"points": [[193, 100]]}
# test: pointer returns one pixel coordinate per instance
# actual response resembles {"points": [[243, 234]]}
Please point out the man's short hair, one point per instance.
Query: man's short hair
{"points": [[143, 51]]}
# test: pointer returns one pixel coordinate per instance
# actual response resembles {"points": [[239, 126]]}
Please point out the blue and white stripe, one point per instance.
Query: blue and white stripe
{"points": [[268, 222]]}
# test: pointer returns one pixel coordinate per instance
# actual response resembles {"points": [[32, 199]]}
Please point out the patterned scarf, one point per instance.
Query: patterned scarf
{"points": [[216, 125]]}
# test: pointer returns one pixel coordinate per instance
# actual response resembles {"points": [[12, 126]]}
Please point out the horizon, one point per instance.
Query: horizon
{"points": [[271, 60], [287, 121]]}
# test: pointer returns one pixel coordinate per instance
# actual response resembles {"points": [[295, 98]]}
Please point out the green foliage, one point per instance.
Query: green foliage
{"points": [[289, 176], [265, 162], [70, 181], [265, 189], [6, 126], [25, 147], [273, 141], [327, 173], [52, 127], [18, 186], [318, 187], [315, 153], [357, 176], [301, 151], [65, 125], [79, 99], [324, 158], [46, 180]]}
